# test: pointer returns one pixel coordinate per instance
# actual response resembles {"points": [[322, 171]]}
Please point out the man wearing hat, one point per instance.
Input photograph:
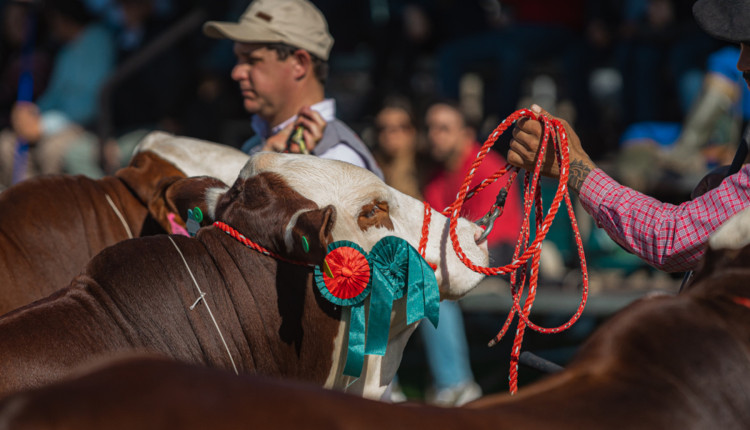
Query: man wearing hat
{"points": [[282, 49], [669, 237]]}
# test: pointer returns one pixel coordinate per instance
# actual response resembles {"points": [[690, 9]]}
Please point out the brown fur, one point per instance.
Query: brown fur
{"points": [[664, 362], [136, 295], [50, 227], [375, 214]]}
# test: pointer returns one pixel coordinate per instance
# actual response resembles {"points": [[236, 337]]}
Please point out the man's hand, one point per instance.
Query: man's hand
{"points": [[26, 121], [524, 147], [313, 126]]}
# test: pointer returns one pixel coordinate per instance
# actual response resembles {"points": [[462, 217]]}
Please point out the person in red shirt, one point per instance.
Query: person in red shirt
{"points": [[453, 145]]}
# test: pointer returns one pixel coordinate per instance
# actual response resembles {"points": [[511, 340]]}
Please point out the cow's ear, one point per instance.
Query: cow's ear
{"points": [[176, 195], [312, 233], [144, 175]]}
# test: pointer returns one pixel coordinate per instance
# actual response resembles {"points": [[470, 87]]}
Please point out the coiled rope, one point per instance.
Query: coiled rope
{"points": [[526, 255]]}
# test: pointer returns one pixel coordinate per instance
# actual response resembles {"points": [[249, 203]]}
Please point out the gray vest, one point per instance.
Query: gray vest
{"points": [[335, 132]]}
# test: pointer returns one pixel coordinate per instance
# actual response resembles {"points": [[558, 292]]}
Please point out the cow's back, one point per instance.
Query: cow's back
{"points": [[51, 226], [139, 295], [156, 394], [263, 315]]}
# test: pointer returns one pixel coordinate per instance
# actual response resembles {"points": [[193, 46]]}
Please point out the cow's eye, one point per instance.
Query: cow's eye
{"points": [[375, 214]]}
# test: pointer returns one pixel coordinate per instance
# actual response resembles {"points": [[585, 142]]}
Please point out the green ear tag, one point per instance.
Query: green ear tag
{"points": [[305, 245], [198, 214]]}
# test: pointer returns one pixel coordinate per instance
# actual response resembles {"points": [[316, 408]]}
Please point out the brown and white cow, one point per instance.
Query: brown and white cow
{"points": [[51, 226], [664, 362], [257, 314]]}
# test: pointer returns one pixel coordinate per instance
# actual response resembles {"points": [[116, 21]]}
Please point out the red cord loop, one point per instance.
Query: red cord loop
{"points": [[525, 253]]}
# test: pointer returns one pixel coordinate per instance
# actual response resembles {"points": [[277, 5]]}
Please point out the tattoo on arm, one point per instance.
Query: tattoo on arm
{"points": [[578, 172]]}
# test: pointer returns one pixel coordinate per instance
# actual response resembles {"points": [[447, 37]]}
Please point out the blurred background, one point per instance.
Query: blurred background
{"points": [[633, 77]]}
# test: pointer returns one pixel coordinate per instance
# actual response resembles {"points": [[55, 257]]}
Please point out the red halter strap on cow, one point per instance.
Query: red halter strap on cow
{"points": [[524, 251], [252, 245]]}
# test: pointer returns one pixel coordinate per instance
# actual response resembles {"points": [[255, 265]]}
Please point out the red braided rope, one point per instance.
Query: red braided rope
{"points": [[525, 253], [252, 245], [425, 233]]}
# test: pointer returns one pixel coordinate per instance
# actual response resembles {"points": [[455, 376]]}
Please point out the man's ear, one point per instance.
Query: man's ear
{"points": [[144, 174], [170, 206], [303, 64], [311, 234]]}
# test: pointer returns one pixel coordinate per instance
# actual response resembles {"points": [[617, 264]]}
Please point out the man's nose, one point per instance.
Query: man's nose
{"points": [[238, 72]]}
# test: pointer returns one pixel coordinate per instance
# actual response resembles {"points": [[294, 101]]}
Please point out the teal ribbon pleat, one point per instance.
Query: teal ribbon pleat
{"points": [[415, 304], [379, 320], [355, 354], [431, 293]]}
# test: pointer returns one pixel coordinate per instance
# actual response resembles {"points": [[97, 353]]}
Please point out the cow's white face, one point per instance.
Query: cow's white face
{"points": [[368, 210], [195, 157]]}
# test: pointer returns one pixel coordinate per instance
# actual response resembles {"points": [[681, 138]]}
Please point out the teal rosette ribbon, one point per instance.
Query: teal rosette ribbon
{"points": [[398, 269], [346, 281], [391, 270]]}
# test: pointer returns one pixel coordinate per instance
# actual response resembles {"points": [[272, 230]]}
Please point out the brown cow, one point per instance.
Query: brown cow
{"points": [[213, 301], [665, 362], [51, 226]]}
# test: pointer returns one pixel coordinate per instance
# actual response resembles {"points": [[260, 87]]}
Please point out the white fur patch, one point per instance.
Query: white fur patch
{"points": [[734, 233], [195, 157], [348, 188], [288, 239], [212, 199]]}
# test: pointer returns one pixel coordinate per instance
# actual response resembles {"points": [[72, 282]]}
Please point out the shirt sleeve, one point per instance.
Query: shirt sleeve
{"points": [[669, 237], [80, 70]]}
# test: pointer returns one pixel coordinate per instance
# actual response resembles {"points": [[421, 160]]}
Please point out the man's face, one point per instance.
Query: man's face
{"points": [[743, 64], [445, 131], [263, 79]]}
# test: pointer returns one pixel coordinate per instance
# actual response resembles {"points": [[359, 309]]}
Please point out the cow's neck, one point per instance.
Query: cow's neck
{"points": [[134, 212], [288, 328], [300, 323]]}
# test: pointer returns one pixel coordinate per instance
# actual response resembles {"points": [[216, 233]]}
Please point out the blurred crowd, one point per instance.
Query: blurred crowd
{"points": [[657, 103], [634, 77]]}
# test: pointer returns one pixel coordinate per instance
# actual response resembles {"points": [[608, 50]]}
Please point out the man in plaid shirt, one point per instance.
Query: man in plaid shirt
{"points": [[669, 237]]}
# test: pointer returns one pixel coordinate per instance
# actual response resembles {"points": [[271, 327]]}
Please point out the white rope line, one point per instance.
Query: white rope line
{"points": [[202, 297], [119, 215]]}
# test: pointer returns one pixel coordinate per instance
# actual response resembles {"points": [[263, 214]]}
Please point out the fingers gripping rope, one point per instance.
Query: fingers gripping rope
{"points": [[525, 253]]}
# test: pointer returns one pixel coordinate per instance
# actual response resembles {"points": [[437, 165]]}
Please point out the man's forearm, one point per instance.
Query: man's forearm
{"points": [[579, 170]]}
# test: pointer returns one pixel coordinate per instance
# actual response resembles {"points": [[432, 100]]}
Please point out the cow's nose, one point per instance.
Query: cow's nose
{"points": [[481, 242], [478, 236]]}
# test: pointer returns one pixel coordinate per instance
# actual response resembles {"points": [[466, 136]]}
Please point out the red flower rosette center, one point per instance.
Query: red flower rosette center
{"points": [[351, 273]]}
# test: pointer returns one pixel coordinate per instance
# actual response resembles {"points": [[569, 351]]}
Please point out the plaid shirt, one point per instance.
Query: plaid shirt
{"points": [[671, 238]]}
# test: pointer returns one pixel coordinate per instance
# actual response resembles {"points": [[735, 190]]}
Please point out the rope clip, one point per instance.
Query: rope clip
{"points": [[488, 220]]}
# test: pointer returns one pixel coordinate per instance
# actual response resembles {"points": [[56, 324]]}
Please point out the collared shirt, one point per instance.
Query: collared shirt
{"points": [[327, 110], [670, 237]]}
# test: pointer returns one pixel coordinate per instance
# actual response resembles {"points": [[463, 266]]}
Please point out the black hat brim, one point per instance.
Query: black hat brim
{"points": [[724, 19]]}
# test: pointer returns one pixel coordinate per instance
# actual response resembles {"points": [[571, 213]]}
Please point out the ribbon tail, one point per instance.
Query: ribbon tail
{"points": [[431, 294], [415, 298], [355, 352], [379, 320]]}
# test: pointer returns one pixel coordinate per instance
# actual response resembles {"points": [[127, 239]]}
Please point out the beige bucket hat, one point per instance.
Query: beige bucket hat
{"points": [[294, 22]]}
